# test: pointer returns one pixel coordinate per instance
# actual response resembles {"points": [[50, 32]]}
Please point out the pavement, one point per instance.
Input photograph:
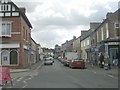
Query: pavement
{"points": [[113, 72], [34, 66]]}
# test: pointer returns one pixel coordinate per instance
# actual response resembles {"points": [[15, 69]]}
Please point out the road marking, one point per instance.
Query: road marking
{"points": [[24, 86], [24, 82], [95, 72], [112, 76], [20, 79], [14, 78]]}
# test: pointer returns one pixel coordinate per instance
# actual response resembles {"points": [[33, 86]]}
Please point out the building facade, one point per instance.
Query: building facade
{"points": [[15, 36], [76, 46], [108, 35], [102, 37]]}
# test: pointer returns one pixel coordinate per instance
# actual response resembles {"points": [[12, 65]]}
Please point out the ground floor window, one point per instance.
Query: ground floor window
{"points": [[9, 56], [13, 57], [5, 60]]}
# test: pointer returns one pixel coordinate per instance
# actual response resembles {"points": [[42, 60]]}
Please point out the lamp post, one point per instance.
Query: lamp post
{"points": [[30, 51]]}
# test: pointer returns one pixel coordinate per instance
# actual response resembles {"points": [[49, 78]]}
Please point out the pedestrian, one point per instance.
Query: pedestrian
{"points": [[107, 64], [101, 59]]}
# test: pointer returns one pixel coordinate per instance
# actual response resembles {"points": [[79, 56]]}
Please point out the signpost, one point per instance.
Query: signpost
{"points": [[5, 75], [30, 51]]}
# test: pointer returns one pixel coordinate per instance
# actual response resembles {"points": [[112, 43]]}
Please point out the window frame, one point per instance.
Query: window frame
{"points": [[6, 33], [117, 27]]}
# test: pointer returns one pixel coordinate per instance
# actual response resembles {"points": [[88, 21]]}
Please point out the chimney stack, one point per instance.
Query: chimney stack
{"points": [[108, 14], [23, 10]]}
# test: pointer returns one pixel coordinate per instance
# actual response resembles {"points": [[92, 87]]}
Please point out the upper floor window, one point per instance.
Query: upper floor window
{"points": [[84, 43], [5, 7], [102, 34], [6, 29], [107, 31], [88, 42], [81, 44], [117, 28]]}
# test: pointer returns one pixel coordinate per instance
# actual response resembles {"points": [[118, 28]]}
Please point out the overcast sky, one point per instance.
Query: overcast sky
{"points": [[55, 21]]}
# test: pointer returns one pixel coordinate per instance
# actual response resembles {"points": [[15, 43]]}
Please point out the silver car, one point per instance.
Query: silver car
{"points": [[48, 61]]}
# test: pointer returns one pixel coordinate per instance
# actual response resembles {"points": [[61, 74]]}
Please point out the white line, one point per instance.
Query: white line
{"points": [[24, 86], [39, 66], [24, 81], [94, 72], [20, 79], [111, 76], [14, 78]]}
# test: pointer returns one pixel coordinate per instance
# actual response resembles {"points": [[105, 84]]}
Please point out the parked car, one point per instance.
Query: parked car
{"points": [[60, 59], [48, 61], [77, 63]]}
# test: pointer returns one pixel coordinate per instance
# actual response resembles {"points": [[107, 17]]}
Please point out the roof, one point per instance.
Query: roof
{"points": [[21, 13]]}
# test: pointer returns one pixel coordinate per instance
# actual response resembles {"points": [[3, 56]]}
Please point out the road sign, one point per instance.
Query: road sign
{"points": [[5, 75]]}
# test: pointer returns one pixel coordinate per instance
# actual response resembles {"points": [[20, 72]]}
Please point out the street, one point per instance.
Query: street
{"points": [[59, 76]]}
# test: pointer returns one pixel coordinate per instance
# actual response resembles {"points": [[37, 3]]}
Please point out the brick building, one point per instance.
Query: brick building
{"points": [[15, 35]]}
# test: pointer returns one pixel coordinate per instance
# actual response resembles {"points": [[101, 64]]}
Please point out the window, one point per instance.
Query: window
{"points": [[88, 42], [84, 43], [102, 34], [6, 29], [15, 14], [117, 28], [13, 57], [107, 31], [81, 44], [97, 36], [13, 8], [7, 14]]}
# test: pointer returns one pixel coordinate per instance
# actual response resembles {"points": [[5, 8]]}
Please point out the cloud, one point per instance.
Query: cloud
{"points": [[30, 7], [55, 21]]}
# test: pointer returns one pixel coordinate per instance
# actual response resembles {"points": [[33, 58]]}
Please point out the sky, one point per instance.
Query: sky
{"points": [[55, 21]]}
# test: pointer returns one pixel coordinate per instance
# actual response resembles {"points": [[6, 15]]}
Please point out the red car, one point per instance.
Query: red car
{"points": [[77, 64]]}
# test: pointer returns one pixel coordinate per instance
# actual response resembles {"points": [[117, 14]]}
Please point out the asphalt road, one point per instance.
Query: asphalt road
{"points": [[59, 76]]}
